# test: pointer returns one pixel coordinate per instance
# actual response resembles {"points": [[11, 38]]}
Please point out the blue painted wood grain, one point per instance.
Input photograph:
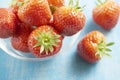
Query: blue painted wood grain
{"points": [[66, 66]]}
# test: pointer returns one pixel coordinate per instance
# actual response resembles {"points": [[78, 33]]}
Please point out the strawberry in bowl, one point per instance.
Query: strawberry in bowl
{"points": [[44, 41], [69, 20], [8, 23], [35, 12], [19, 40]]}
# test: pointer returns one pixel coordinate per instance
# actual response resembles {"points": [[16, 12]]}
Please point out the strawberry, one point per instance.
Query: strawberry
{"points": [[19, 40], [68, 20], [35, 12], [106, 14], [15, 5], [93, 47], [57, 3], [44, 41], [7, 23]]}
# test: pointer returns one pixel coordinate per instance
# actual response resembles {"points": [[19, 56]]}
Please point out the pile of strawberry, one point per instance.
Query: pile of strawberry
{"points": [[39, 26]]}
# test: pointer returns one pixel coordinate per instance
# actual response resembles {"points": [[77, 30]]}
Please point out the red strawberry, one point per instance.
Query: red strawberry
{"points": [[7, 23], [57, 3], [44, 41], [93, 47], [106, 14], [15, 5], [68, 20], [20, 39], [35, 12]]}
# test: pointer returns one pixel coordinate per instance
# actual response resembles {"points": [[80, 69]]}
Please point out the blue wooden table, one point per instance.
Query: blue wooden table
{"points": [[66, 66]]}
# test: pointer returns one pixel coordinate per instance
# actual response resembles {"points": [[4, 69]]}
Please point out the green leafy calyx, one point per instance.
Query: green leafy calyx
{"points": [[103, 49], [19, 3], [23, 2], [46, 41], [75, 5], [13, 2], [101, 2]]}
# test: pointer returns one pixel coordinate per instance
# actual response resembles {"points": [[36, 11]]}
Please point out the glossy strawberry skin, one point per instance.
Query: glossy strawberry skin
{"points": [[107, 15], [68, 21], [57, 3], [87, 47], [36, 50], [7, 23], [35, 12], [19, 40]]}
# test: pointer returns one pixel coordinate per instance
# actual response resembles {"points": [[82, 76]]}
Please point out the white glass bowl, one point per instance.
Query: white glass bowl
{"points": [[5, 44]]}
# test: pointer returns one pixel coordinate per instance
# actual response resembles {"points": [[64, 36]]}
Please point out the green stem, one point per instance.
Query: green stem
{"points": [[103, 49], [77, 3], [71, 3], [100, 2]]}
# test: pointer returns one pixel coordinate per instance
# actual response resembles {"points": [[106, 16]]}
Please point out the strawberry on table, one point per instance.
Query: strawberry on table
{"points": [[7, 23], [68, 20], [19, 40], [93, 47], [106, 14], [35, 12], [44, 41]]}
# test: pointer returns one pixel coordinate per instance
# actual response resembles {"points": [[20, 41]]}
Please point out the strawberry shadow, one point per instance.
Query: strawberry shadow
{"points": [[79, 67]]}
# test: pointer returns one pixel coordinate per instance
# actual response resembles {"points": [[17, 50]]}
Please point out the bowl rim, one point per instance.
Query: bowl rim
{"points": [[21, 57]]}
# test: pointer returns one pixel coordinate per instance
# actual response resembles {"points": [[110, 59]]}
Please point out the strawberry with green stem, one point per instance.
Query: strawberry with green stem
{"points": [[93, 47], [68, 20], [44, 41], [106, 14]]}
